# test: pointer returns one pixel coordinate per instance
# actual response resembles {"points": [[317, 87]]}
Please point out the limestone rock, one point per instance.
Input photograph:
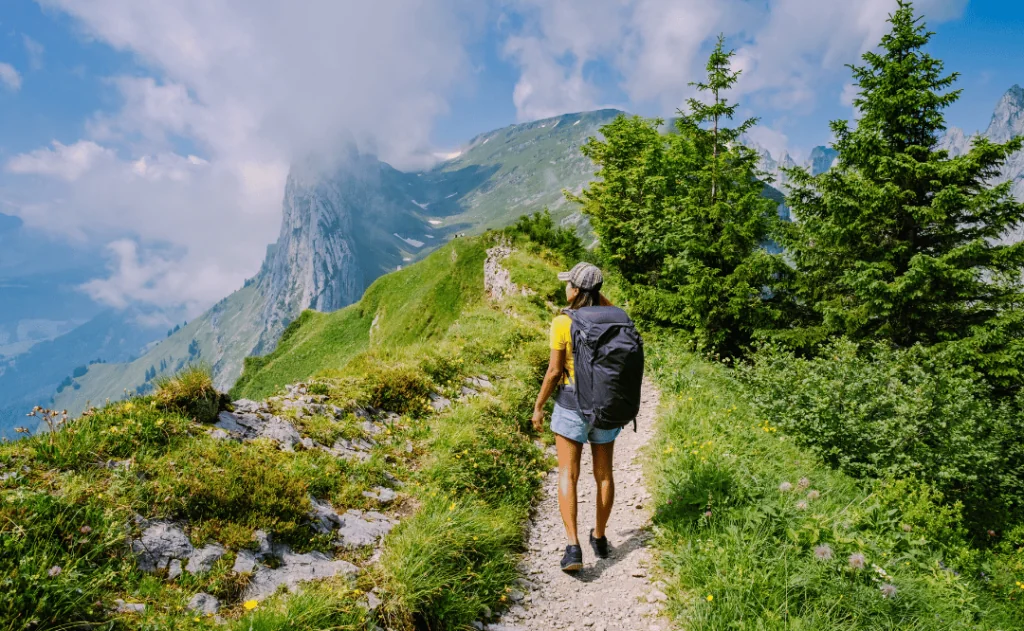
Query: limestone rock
{"points": [[204, 604], [159, 543], [294, 569], [122, 607], [360, 529], [202, 560], [245, 562]]}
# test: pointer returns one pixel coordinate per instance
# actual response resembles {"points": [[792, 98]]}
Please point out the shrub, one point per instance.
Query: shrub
{"points": [[896, 414], [189, 392], [399, 389], [540, 229]]}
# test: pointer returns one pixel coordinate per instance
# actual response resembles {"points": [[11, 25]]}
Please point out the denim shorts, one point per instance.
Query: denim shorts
{"points": [[568, 423]]}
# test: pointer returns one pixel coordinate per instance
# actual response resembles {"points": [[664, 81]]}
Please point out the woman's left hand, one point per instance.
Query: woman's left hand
{"points": [[538, 420]]}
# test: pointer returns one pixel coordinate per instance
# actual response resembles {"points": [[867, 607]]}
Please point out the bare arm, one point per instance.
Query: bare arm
{"points": [[556, 368]]}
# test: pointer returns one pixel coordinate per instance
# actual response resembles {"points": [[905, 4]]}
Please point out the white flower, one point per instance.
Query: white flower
{"points": [[888, 590], [823, 552], [785, 487]]}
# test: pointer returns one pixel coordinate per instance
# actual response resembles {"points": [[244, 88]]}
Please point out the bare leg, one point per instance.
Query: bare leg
{"points": [[605, 484], [569, 452]]}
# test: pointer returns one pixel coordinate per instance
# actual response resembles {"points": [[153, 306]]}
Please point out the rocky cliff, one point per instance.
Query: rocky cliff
{"points": [[348, 219]]}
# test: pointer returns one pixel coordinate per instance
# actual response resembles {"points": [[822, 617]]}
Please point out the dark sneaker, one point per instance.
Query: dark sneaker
{"points": [[600, 546], [573, 559]]}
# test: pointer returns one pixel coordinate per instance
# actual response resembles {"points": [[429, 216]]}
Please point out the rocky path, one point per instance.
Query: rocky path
{"points": [[608, 594]]}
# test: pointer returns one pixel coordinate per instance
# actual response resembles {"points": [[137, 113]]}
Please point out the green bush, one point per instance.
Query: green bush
{"points": [[399, 389], [189, 392], [895, 414], [539, 229]]}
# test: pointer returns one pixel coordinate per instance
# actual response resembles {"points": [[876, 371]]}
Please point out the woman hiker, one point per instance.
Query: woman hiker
{"points": [[582, 289]]}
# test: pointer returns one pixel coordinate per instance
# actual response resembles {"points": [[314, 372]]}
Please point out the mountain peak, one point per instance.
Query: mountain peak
{"points": [[1008, 118]]}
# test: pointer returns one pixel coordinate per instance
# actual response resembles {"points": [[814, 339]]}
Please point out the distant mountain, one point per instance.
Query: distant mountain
{"points": [[31, 378], [820, 160], [1007, 122], [351, 219]]}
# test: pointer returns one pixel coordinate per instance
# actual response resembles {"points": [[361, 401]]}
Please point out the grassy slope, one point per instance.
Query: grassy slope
{"points": [[453, 554], [750, 562], [415, 304]]}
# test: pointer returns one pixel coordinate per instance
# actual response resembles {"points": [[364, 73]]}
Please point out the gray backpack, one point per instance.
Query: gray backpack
{"points": [[608, 360]]}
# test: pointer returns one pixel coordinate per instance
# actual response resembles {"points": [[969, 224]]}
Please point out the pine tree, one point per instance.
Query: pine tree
{"points": [[683, 217], [900, 241]]}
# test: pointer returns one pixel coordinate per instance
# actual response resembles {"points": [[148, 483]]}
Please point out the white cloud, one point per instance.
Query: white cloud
{"points": [[776, 142], [785, 48], [185, 179], [9, 76], [67, 162], [35, 52]]}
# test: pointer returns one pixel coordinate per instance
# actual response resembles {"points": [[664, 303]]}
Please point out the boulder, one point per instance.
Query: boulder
{"points": [[160, 542], [245, 562]]}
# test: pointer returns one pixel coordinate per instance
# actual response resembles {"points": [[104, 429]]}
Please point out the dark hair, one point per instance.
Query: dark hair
{"points": [[586, 298]]}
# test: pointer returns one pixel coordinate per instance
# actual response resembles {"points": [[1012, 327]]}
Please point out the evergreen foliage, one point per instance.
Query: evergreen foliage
{"points": [[900, 241], [683, 217]]}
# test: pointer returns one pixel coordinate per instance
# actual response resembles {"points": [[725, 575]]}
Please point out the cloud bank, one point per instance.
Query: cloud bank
{"points": [[183, 178]]}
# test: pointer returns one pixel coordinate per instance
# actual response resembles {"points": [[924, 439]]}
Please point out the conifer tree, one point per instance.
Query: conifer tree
{"points": [[683, 217], [899, 241]]}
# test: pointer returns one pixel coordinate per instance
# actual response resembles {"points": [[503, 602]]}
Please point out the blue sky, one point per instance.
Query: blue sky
{"points": [[169, 114]]}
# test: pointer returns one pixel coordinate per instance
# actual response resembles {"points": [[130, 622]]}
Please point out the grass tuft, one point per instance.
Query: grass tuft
{"points": [[189, 392]]}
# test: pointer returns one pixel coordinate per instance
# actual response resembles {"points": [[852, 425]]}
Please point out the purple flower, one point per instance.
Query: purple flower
{"points": [[888, 590], [85, 530], [785, 487], [707, 513], [801, 505], [54, 571], [907, 527], [803, 483], [813, 494], [823, 552], [857, 561]]}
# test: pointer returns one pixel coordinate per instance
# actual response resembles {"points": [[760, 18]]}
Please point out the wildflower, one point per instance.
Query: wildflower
{"points": [[710, 597], [85, 530], [991, 533], [813, 494], [54, 571], [801, 505], [452, 507], [823, 552], [785, 487], [857, 561], [250, 604], [888, 590], [803, 483], [907, 527], [707, 513]]}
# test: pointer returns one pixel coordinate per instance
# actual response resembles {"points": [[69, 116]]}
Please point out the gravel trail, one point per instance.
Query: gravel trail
{"points": [[610, 594]]}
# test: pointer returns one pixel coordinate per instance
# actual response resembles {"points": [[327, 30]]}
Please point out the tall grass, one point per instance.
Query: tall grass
{"points": [[756, 533]]}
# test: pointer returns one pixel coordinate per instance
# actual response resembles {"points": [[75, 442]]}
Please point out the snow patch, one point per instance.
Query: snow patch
{"points": [[423, 206], [452, 195], [576, 123], [429, 236], [486, 140], [413, 242], [435, 222]]}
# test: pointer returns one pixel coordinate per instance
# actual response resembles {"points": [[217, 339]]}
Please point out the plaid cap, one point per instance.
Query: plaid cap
{"points": [[584, 276]]}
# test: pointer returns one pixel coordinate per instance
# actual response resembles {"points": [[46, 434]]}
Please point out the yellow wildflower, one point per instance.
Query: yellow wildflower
{"points": [[710, 597], [250, 605]]}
